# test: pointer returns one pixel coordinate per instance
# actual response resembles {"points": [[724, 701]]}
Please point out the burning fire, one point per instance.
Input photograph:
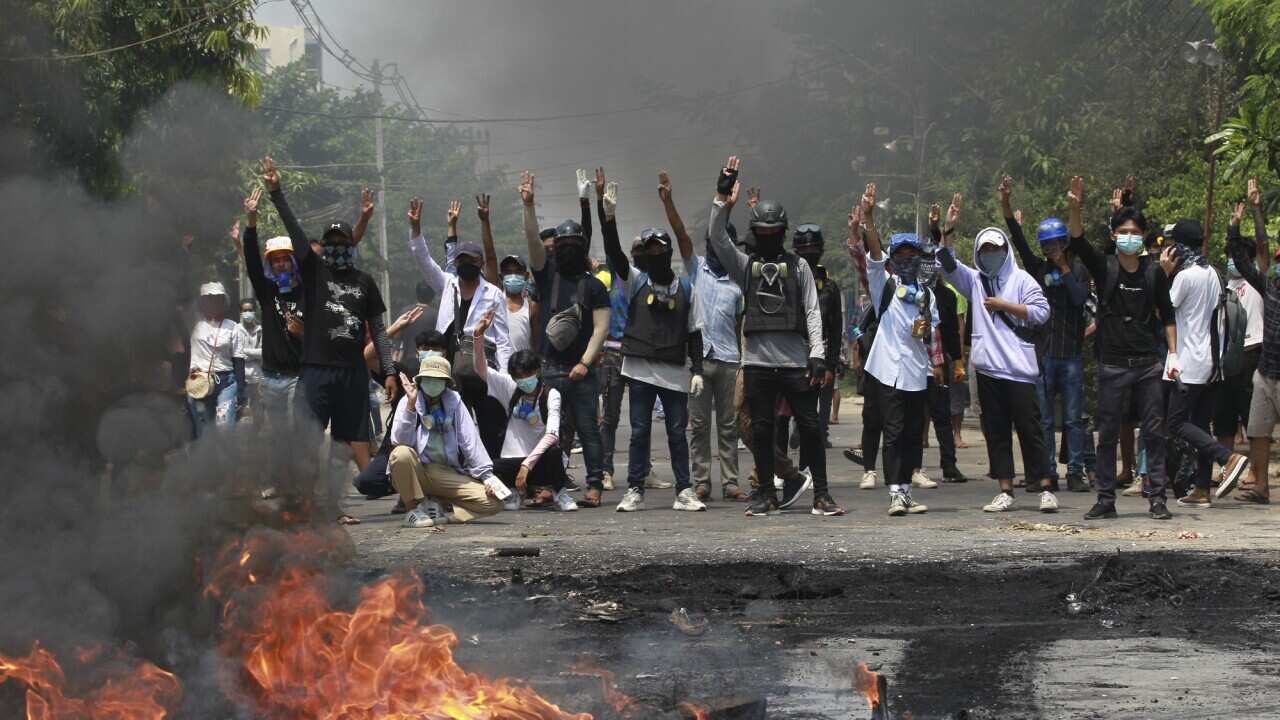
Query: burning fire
{"points": [[623, 704], [867, 683], [694, 710], [144, 693]]}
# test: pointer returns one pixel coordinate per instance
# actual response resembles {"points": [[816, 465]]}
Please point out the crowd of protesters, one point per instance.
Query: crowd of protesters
{"points": [[506, 367]]}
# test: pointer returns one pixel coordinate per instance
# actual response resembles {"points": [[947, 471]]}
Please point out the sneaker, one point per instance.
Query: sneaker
{"points": [[1159, 511], [1101, 511], [792, 491], [762, 504], [653, 483], [953, 475], [869, 480], [633, 501], [1134, 489], [920, 480], [897, 504], [1001, 503], [514, 501], [1076, 483], [565, 502], [741, 445], [854, 457], [1048, 503], [571, 483], [606, 481], [1198, 497], [1231, 474], [577, 447], [418, 518], [686, 500], [825, 505], [913, 507]]}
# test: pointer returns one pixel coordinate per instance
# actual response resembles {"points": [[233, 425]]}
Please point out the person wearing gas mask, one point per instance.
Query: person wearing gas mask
{"points": [[660, 335], [1236, 391], [573, 322], [1005, 304], [437, 453], [783, 353], [1194, 364], [1065, 284], [900, 360], [808, 244], [1134, 331], [464, 299], [341, 301]]}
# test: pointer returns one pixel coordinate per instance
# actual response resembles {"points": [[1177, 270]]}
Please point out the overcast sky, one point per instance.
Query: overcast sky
{"points": [[486, 58]]}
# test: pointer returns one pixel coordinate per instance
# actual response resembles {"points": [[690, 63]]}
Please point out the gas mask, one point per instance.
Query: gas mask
{"points": [[771, 293]]}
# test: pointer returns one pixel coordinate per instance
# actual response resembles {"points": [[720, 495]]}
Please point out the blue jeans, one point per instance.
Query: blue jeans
{"points": [[1063, 377], [218, 409], [676, 407], [579, 400], [281, 401]]}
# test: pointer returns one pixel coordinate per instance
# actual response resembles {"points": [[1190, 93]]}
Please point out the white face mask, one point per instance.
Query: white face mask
{"points": [[431, 387]]}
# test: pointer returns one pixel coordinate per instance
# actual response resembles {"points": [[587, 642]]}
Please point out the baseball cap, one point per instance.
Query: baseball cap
{"points": [[469, 248], [338, 227], [212, 288]]}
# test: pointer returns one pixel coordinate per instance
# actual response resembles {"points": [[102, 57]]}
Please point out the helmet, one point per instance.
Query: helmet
{"points": [[568, 229], [807, 234], [898, 240], [768, 214], [546, 232], [1051, 229]]}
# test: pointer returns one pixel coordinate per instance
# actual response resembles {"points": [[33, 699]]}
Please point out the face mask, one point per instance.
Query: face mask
{"points": [[1129, 244], [813, 258], [659, 268], [907, 269], [571, 258], [1231, 269], [713, 262], [431, 387], [247, 317], [514, 284], [768, 246], [339, 257], [928, 272], [990, 262], [424, 354], [468, 271], [527, 385]]}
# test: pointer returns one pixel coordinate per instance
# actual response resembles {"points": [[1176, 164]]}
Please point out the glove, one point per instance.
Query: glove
{"points": [[610, 200], [728, 177], [817, 370], [695, 386], [584, 185]]}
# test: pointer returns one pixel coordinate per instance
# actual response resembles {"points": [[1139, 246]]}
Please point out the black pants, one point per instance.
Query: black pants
{"points": [[1115, 387], [901, 413], [1008, 405], [1231, 404], [940, 413], [825, 395], [762, 387], [548, 473], [373, 481], [1188, 414], [872, 422], [491, 416]]}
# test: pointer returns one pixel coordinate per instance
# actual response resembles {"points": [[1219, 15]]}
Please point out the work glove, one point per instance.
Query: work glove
{"points": [[610, 200], [817, 370], [695, 386], [584, 185]]}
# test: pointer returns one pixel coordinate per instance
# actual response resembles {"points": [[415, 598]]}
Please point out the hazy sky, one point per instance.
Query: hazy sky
{"points": [[485, 58]]}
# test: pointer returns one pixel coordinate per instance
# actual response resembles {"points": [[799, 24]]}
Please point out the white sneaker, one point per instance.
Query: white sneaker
{"points": [[631, 502], [1002, 503], [913, 507], [434, 510], [920, 480], [1048, 503], [1134, 489], [514, 502], [564, 502], [869, 480], [778, 482], [897, 504], [687, 500], [418, 518], [741, 445], [652, 482], [607, 481]]}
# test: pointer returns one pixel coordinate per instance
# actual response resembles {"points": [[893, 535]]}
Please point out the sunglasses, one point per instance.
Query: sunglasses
{"points": [[808, 229], [655, 234]]}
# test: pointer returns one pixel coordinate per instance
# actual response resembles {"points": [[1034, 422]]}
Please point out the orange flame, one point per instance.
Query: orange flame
{"points": [[694, 710], [623, 704], [867, 683], [144, 693]]}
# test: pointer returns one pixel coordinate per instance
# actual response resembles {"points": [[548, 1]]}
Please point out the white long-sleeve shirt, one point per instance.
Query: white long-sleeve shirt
{"points": [[487, 297]]}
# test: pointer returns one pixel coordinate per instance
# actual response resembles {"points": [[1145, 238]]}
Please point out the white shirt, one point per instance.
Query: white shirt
{"points": [[487, 298], [1194, 294], [221, 342], [655, 372], [519, 329], [523, 435], [1252, 303], [252, 343], [897, 359]]}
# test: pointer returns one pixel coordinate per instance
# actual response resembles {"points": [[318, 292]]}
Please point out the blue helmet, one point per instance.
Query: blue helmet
{"points": [[1051, 229], [898, 240]]}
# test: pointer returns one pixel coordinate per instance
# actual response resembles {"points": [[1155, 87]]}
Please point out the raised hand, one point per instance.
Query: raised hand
{"points": [[1117, 200], [251, 203], [410, 392], [482, 207], [1255, 195], [584, 184], [664, 186], [953, 210], [234, 232], [855, 224], [728, 176], [366, 203], [935, 214], [415, 216], [867, 206], [610, 199], [1130, 184], [483, 323], [732, 200], [451, 215], [406, 319], [270, 176], [1075, 195], [1005, 189], [753, 196], [1017, 216], [599, 182], [1237, 214], [526, 187]]}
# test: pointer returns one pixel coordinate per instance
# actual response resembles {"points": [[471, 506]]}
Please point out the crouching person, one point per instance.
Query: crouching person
{"points": [[438, 454], [533, 428]]}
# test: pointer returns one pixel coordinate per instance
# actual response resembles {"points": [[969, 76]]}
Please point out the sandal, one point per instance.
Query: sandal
{"points": [[590, 498], [1252, 496], [541, 497]]}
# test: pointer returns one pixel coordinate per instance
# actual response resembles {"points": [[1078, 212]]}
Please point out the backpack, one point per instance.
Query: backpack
{"points": [[1228, 353], [871, 318]]}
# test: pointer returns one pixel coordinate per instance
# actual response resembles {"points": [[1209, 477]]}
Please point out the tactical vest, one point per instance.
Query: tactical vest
{"points": [[657, 323], [772, 297]]}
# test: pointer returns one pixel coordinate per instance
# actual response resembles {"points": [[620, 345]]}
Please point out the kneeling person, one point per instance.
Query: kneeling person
{"points": [[438, 453]]}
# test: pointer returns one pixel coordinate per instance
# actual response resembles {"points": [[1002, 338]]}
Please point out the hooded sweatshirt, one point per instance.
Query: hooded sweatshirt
{"points": [[996, 350]]}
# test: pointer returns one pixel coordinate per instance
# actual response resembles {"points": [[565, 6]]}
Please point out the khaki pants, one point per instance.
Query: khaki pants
{"points": [[414, 481], [718, 395]]}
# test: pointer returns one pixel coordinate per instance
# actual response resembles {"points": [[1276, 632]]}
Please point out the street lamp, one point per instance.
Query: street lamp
{"points": [[1205, 52], [1202, 52]]}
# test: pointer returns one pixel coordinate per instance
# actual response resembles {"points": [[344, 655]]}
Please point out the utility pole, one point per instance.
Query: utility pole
{"points": [[382, 194]]}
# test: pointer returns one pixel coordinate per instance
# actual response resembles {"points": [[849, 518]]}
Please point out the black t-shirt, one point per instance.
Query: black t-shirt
{"points": [[281, 352], [595, 297], [338, 306], [1140, 335]]}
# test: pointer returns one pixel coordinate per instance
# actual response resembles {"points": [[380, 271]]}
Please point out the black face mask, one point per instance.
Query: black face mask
{"points": [[468, 272], [814, 258], [659, 268], [768, 246], [571, 258], [713, 261]]}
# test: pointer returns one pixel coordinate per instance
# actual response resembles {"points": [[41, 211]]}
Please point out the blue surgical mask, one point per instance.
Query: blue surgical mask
{"points": [[514, 283], [528, 384], [1231, 269], [247, 317], [431, 387], [1129, 244]]}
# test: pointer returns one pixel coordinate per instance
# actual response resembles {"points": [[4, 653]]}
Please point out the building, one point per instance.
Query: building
{"points": [[285, 44]]}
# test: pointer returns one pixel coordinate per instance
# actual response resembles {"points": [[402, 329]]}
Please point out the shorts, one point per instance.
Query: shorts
{"points": [[959, 398], [339, 399], [1264, 409], [1235, 398]]}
